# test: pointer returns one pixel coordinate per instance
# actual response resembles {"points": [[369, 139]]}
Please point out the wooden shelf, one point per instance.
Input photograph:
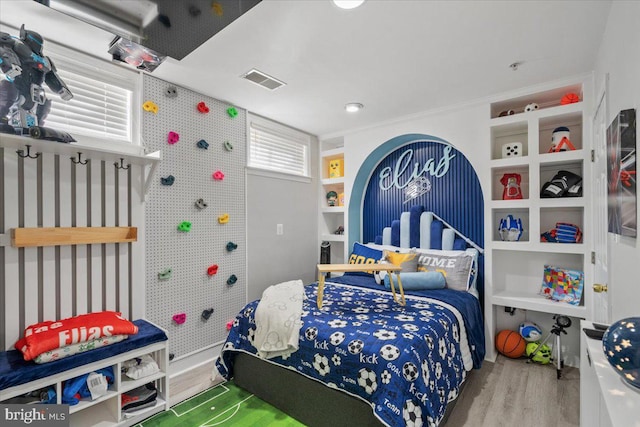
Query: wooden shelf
{"points": [[57, 236]]}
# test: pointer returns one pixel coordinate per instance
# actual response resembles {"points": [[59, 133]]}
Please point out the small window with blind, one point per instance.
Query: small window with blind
{"points": [[277, 148], [101, 109]]}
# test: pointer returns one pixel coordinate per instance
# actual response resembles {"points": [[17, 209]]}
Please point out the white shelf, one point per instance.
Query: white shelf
{"points": [[561, 248], [130, 155], [135, 155], [333, 237], [127, 384], [87, 403], [144, 413], [332, 209], [530, 301], [335, 153], [333, 181]]}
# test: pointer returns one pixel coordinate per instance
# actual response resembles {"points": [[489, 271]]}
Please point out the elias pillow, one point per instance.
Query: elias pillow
{"points": [[456, 267], [362, 254]]}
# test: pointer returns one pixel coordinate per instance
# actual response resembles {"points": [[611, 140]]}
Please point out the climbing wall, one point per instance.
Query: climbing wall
{"points": [[203, 157]]}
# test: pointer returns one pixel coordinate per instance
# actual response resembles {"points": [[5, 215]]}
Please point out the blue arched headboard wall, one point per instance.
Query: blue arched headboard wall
{"points": [[378, 193]]}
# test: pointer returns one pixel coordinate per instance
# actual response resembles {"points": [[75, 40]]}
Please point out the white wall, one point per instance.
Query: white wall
{"points": [[293, 255], [619, 55]]}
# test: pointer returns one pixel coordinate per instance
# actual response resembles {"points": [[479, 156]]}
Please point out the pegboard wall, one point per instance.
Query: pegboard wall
{"points": [[188, 255]]}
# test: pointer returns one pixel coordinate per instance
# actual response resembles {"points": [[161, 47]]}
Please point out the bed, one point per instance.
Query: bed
{"points": [[363, 359]]}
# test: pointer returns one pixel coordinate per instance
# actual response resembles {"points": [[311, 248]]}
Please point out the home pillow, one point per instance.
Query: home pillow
{"points": [[418, 280], [363, 254], [456, 267]]}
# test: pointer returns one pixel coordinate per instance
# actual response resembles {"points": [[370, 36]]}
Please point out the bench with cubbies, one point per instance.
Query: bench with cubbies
{"points": [[104, 411]]}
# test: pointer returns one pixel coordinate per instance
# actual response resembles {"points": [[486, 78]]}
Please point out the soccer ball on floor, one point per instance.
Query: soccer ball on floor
{"points": [[530, 331], [543, 356]]}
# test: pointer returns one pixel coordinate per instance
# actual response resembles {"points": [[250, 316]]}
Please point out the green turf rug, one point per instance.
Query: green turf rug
{"points": [[223, 405]]}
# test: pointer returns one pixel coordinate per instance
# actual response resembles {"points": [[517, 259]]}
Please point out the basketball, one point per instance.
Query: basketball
{"points": [[510, 344]]}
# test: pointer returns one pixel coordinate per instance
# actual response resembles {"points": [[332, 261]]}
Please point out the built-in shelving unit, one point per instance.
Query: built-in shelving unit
{"points": [[514, 269], [332, 217]]}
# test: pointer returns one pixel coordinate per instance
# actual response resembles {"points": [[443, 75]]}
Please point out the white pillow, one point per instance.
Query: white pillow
{"points": [[456, 266]]}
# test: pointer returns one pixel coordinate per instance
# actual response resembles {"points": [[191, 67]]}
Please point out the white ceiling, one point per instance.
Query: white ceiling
{"points": [[397, 57]]}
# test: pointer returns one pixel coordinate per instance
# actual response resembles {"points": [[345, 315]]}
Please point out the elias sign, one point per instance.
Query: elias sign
{"points": [[406, 170]]}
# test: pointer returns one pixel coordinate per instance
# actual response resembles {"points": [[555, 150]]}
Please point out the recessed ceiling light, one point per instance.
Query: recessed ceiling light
{"points": [[353, 107], [348, 4]]}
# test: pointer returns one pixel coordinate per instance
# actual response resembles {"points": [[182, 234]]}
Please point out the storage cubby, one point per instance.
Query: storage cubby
{"points": [[509, 134], [572, 121], [517, 213], [545, 99], [549, 217], [517, 280], [549, 169], [497, 174]]}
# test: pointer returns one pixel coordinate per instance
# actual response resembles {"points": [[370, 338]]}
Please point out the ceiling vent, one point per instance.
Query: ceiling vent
{"points": [[260, 78]]}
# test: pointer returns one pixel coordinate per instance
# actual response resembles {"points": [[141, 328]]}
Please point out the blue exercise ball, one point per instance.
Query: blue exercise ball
{"points": [[621, 343]]}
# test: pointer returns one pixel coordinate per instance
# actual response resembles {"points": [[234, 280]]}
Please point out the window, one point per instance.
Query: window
{"points": [[277, 148], [104, 95]]}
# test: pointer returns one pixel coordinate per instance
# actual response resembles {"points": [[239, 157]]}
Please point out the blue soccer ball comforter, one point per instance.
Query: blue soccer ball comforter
{"points": [[408, 361]]}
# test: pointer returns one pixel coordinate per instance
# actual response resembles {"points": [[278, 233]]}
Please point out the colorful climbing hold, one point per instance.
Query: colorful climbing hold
{"points": [[151, 107], [228, 146], [232, 112], [203, 144], [213, 269], [184, 226], [202, 107], [223, 219], [232, 280], [206, 314], [173, 137], [171, 92], [168, 180], [200, 204], [218, 175], [231, 246], [180, 318], [165, 275], [217, 8]]}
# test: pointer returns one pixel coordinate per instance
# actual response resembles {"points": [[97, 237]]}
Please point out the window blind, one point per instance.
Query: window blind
{"points": [[98, 108], [277, 150]]}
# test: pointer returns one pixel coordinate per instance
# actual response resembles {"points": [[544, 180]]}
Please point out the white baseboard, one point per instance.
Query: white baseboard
{"points": [[194, 360]]}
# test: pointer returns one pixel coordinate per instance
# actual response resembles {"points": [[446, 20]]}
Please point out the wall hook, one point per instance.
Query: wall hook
{"points": [[21, 153], [121, 166], [79, 161]]}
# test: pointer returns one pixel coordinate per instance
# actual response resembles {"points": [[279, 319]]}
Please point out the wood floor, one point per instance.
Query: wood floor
{"points": [[506, 393]]}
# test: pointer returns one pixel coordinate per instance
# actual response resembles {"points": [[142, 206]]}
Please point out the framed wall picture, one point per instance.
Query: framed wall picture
{"points": [[621, 173]]}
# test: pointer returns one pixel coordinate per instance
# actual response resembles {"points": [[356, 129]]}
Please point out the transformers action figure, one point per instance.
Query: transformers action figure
{"points": [[23, 103]]}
